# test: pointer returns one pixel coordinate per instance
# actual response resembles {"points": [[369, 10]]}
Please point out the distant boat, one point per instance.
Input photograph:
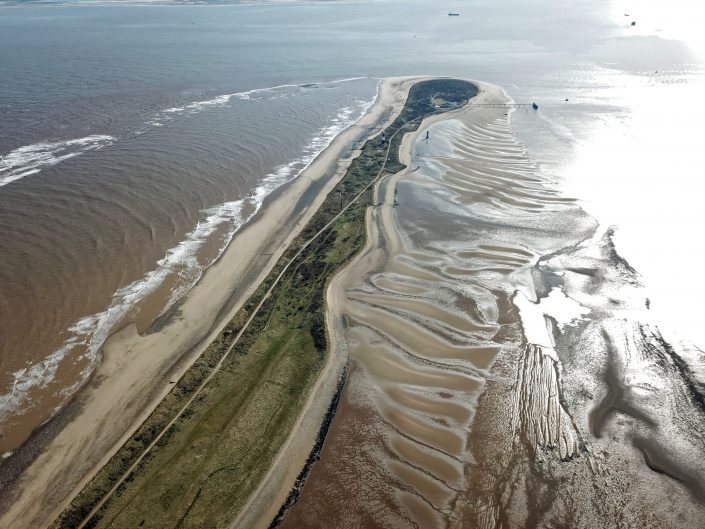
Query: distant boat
{"points": [[536, 107], [450, 14]]}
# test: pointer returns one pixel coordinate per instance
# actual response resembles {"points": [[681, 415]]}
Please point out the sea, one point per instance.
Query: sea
{"points": [[137, 138]]}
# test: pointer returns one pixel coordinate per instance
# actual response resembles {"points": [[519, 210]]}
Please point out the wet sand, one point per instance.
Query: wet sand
{"points": [[42, 477], [503, 370]]}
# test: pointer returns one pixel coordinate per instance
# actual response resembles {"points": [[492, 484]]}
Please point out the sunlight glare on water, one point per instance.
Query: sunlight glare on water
{"points": [[676, 19], [642, 172]]}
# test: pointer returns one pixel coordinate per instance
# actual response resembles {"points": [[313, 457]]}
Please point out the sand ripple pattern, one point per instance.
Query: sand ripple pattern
{"points": [[427, 310], [544, 420]]}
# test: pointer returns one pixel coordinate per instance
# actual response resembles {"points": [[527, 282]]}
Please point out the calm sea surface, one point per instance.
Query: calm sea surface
{"points": [[135, 140]]}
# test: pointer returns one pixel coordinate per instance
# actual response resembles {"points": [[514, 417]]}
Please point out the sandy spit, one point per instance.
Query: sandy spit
{"points": [[265, 502], [137, 369]]}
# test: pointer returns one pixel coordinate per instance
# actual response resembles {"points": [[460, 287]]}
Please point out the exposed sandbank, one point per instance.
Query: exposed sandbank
{"points": [[570, 413]]}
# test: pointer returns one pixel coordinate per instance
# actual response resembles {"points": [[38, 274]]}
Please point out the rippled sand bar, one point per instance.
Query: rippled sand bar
{"points": [[452, 415]]}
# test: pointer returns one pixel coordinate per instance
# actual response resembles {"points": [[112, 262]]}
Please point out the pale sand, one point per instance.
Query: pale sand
{"points": [[266, 501], [136, 370]]}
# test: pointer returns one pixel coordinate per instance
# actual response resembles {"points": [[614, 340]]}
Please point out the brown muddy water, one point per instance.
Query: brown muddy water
{"points": [[503, 371], [100, 232]]}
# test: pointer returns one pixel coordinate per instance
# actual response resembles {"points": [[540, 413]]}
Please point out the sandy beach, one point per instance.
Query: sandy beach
{"points": [[137, 370]]}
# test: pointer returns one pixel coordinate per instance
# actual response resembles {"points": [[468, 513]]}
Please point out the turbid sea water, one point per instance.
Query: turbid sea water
{"points": [[135, 140]]}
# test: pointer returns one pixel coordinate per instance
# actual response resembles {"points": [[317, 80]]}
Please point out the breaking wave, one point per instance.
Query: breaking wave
{"points": [[31, 159], [273, 92]]}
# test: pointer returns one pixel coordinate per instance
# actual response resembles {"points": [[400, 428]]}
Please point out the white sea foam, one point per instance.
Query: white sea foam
{"points": [[200, 105], [31, 159], [92, 331], [279, 91]]}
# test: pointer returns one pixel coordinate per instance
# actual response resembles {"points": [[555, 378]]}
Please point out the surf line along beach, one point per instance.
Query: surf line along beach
{"points": [[43, 476]]}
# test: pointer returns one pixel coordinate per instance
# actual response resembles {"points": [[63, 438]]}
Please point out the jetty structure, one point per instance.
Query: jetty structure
{"points": [[535, 106]]}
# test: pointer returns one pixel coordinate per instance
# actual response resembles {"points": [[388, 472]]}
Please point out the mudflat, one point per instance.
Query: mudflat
{"points": [[504, 370]]}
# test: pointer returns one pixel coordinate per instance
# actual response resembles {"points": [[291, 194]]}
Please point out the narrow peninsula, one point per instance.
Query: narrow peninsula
{"points": [[212, 445]]}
